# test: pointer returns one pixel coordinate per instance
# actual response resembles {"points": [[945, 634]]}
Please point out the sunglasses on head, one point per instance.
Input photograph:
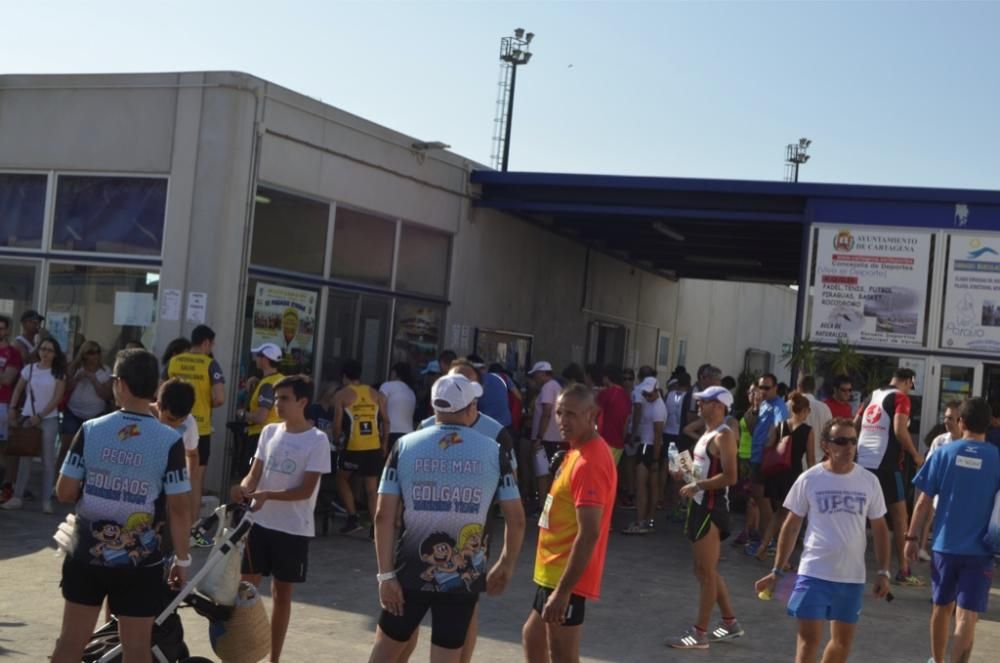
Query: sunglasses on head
{"points": [[843, 441]]}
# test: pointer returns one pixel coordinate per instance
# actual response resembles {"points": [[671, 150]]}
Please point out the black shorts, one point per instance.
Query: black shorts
{"points": [[365, 463], [204, 449], [131, 592], [755, 474], [647, 455], [684, 443], [393, 437], [700, 516], [891, 482], [451, 614], [575, 609], [280, 554]]}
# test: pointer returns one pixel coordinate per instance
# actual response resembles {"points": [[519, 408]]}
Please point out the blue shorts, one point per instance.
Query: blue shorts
{"points": [[813, 598], [965, 578]]}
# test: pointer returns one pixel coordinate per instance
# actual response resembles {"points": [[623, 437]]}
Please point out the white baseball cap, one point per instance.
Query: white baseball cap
{"points": [[649, 385], [269, 350], [716, 393], [541, 366], [454, 392]]}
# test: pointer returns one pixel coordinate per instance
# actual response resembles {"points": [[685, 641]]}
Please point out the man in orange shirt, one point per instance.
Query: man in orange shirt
{"points": [[573, 534]]}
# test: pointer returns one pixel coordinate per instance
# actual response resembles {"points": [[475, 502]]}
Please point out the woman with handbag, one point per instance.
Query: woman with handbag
{"points": [[789, 442], [88, 390], [43, 384]]}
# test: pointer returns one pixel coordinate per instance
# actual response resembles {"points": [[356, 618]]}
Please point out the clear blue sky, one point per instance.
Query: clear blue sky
{"points": [[890, 93]]}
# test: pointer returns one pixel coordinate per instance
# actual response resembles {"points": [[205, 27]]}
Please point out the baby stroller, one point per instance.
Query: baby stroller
{"points": [[168, 634]]}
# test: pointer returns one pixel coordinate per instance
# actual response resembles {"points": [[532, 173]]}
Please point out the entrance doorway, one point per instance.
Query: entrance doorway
{"points": [[991, 383], [951, 379], [606, 344]]}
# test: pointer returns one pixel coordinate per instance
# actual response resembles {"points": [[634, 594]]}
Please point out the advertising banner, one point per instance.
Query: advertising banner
{"points": [[972, 295], [870, 286], [286, 317]]}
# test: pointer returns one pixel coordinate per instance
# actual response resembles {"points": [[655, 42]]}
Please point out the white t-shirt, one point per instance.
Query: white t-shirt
{"points": [[286, 458], [189, 433], [547, 430], [400, 404], [675, 407], [651, 413], [819, 414], [84, 401], [837, 506], [43, 385]]}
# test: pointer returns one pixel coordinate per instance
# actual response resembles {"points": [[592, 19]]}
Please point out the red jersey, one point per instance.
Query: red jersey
{"points": [[839, 409], [587, 477], [615, 408], [9, 357]]}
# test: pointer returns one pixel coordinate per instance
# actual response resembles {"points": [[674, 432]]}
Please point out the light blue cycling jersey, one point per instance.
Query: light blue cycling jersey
{"points": [[127, 462], [447, 477]]}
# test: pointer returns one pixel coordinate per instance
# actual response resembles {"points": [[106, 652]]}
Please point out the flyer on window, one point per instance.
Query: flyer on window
{"points": [[286, 317], [870, 286], [972, 295]]}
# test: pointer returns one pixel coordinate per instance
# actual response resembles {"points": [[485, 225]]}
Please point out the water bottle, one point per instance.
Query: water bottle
{"points": [[672, 457]]}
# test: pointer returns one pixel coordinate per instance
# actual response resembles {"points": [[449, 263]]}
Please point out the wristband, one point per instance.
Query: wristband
{"points": [[911, 538], [777, 572], [885, 573], [182, 563], [382, 577]]}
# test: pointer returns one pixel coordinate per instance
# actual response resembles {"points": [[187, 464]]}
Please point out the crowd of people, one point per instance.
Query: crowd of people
{"points": [[431, 462]]}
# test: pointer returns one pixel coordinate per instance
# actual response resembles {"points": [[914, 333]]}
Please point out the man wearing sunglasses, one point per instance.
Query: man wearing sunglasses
{"points": [[772, 411], [884, 438], [838, 497]]}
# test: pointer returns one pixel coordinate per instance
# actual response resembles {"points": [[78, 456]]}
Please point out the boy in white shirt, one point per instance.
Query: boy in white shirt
{"points": [[174, 402], [281, 486]]}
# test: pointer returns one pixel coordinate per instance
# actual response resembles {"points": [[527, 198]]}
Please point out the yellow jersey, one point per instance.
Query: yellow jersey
{"points": [[263, 396], [362, 434], [202, 372]]}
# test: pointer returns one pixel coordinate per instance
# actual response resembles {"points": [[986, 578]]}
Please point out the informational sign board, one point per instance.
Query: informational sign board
{"points": [[870, 286], [972, 294], [286, 317]]}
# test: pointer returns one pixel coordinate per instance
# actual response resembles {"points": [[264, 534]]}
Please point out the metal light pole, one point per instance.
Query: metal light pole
{"points": [[514, 52], [795, 156]]}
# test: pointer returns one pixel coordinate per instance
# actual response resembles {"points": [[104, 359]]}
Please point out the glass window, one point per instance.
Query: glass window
{"points": [[289, 232], [111, 305], [22, 210], [110, 214], [286, 316], [17, 291], [362, 247], [357, 327], [416, 333], [423, 261]]}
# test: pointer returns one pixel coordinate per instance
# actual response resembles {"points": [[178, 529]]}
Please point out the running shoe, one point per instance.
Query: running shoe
{"points": [[772, 549], [906, 577], [750, 550], [12, 504], [724, 632], [923, 555], [199, 540], [692, 639], [742, 539], [636, 528], [352, 525]]}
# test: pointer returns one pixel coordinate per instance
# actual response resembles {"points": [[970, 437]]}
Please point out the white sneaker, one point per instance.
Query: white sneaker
{"points": [[923, 556], [12, 504], [47, 507]]}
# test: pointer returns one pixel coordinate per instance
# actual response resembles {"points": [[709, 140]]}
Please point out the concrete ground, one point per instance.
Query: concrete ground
{"points": [[648, 594]]}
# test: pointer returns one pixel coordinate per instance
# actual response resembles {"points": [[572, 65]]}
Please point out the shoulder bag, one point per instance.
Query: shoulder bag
{"points": [[778, 458], [24, 440]]}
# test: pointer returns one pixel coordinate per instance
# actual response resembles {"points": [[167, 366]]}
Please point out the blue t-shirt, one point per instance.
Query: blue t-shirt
{"points": [[447, 477], [965, 477], [772, 413], [494, 402], [127, 463]]}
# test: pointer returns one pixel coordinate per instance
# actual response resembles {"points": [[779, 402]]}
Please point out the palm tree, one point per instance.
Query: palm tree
{"points": [[844, 360], [802, 357]]}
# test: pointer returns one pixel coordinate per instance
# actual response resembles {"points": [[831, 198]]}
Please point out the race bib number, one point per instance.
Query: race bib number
{"points": [[365, 427], [543, 520], [969, 463]]}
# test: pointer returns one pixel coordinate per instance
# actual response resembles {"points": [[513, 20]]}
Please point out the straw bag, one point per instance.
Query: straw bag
{"points": [[246, 636], [23, 440]]}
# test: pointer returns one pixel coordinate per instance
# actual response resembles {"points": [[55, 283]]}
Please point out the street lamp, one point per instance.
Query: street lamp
{"points": [[795, 156], [514, 52]]}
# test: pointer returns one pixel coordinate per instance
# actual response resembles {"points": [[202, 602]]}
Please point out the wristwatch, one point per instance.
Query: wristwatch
{"points": [[182, 563], [885, 572], [382, 577], [777, 572]]}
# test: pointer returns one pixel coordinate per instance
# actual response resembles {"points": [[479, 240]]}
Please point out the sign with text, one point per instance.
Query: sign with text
{"points": [[972, 295], [286, 317], [870, 286]]}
